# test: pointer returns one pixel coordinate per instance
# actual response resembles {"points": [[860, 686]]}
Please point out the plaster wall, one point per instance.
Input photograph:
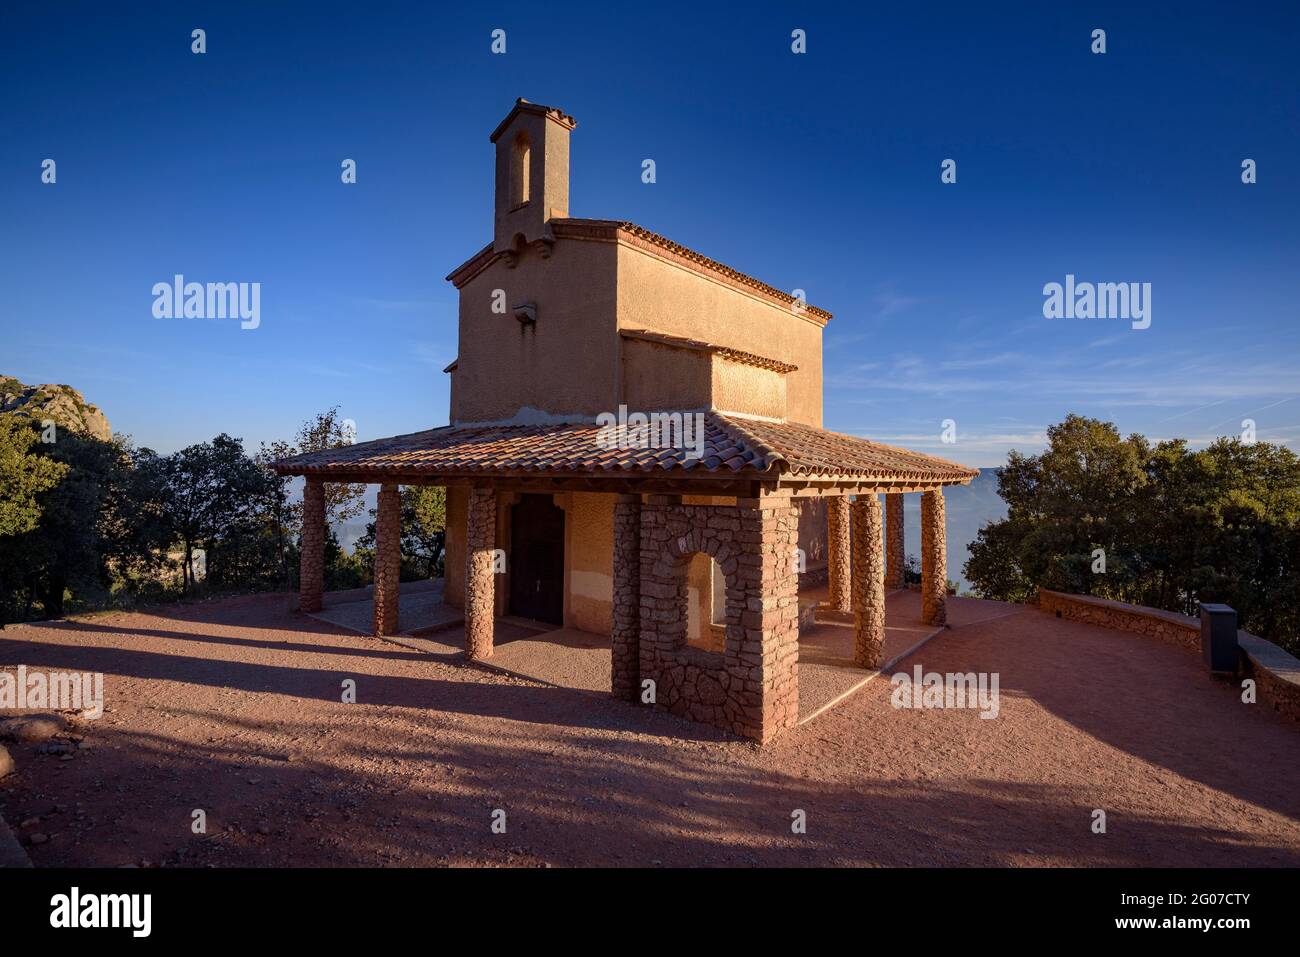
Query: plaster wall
{"points": [[656, 294], [565, 363]]}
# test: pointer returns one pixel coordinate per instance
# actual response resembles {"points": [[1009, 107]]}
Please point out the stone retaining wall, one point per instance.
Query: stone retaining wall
{"points": [[1151, 622], [1275, 672]]}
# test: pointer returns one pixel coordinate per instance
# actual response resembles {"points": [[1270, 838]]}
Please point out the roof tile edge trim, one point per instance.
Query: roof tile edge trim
{"points": [[611, 230]]}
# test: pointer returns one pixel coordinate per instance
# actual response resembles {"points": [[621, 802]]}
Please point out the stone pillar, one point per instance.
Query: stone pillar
{"points": [[838, 564], [894, 540], [480, 541], [752, 687], [311, 570], [934, 559], [767, 654], [868, 583], [625, 636], [388, 560]]}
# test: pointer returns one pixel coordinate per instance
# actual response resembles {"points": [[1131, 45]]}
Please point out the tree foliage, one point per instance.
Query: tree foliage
{"points": [[1174, 527], [103, 522], [424, 532], [320, 433], [24, 475]]}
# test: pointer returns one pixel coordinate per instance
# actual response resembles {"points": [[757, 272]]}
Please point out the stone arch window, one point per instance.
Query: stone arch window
{"points": [[706, 587], [699, 630], [520, 170]]}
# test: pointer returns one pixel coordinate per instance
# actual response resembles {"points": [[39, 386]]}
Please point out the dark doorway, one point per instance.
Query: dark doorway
{"points": [[537, 559]]}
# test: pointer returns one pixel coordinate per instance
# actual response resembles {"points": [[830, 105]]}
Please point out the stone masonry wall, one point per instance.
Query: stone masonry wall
{"points": [[311, 573], [894, 540], [1152, 622], [934, 559], [868, 583], [752, 688], [388, 559], [838, 556], [625, 635], [480, 540], [1276, 673]]}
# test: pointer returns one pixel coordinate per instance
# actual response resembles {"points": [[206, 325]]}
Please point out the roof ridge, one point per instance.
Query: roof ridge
{"points": [[703, 345], [770, 455], [733, 446], [900, 448], [386, 440], [686, 252], [475, 263]]}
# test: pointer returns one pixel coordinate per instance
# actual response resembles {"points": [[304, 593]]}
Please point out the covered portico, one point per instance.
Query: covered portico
{"points": [[736, 499]]}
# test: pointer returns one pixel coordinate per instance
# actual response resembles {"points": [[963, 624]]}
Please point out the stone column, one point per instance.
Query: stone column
{"points": [[894, 540], [625, 636], [838, 564], [868, 583], [311, 570], [388, 560], [769, 649], [479, 581], [934, 559]]}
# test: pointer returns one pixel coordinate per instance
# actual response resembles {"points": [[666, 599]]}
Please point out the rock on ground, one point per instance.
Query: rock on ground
{"points": [[31, 729]]}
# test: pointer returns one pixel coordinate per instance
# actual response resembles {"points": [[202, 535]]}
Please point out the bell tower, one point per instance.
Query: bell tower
{"points": [[532, 176]]}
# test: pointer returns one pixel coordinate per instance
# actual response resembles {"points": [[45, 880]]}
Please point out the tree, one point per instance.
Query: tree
{"points": [[424, 532], [65, 548], [24, 475], [136, 534], [283, 514], [327, 431], [1082, 494], [424, 526], [1173, 527], [211, 491]]}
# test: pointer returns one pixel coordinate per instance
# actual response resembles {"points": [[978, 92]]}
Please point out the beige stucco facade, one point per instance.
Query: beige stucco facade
{"points": [[576, 354], [656, 291], [564, 319]]}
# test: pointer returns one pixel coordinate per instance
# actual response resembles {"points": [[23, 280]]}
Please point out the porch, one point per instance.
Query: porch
{"points": [[737, 500], [580, 661]]}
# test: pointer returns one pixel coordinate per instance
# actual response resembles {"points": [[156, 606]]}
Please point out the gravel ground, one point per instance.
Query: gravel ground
{"points": [[233, 708]]}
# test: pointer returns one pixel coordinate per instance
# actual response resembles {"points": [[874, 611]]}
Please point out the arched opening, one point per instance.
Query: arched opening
{"points": [[520, 171], [703, 598], [706, 590]]}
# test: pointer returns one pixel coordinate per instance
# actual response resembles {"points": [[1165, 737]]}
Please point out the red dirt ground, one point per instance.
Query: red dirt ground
{"points": [[234, 707]]}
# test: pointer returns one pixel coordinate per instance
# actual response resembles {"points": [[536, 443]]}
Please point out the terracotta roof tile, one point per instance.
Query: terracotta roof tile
{"points": [[733, 447], [699, 345]]}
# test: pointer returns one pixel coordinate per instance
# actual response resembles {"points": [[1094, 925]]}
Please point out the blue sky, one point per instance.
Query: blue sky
{"points": [[818, 171]]}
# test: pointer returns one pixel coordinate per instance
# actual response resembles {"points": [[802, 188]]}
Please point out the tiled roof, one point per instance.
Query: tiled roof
{"points": [[808, 450], [734, 447], [735, 355], [524, 106]]}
